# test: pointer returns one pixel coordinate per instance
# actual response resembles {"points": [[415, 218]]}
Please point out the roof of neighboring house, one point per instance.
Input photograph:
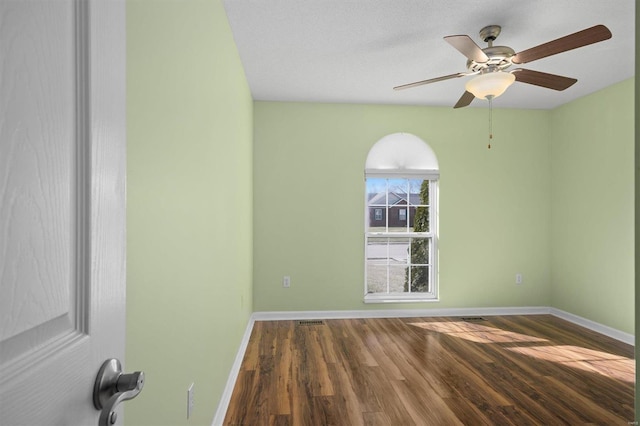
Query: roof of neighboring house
{"points": [[394, 198]]}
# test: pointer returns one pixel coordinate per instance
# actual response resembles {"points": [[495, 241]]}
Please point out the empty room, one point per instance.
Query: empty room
{"points": [[529, 219], [328, 212]]}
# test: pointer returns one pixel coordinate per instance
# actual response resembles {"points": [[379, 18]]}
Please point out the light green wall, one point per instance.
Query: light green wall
{"points": [[309, 203], [553, 199], [189, 292], [592, 196], [637, 206]]}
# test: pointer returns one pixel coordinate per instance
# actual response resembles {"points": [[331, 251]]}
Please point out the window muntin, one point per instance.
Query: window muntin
{"points": [[400, 253]]}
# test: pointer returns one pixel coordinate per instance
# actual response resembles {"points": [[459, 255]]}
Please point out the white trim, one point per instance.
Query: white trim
{"points": [[594, 326], [396, 313], [424, 235], [223, 405], [382, 298], [402, 173]]}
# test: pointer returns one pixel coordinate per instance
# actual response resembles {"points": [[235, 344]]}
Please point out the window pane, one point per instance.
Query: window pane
{"points": [[420, 251], [388, 250], [419, 192], [419, 205], [399, 250], [396, 222], [377, 219], [398, 200], [419, 219], [375, 185], [377, 249], [376, 205], [397, 189], [419, 279], [397, 278], [376, 278]]}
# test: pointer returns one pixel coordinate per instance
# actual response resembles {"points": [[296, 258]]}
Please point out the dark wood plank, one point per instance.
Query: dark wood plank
{"points": [[433, 411], [389, 401], [280, 420], [346, 401], [375, 418], [281, 404], [467, 413]]}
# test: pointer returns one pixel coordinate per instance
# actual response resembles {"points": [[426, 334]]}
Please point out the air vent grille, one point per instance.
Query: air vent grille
{"points": [[310, 322]]}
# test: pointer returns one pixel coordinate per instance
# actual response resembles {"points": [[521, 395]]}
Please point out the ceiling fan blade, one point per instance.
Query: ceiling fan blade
{"points": [[431, 80], [467, 47], [542, 79], [464, 100], [572, 41]]}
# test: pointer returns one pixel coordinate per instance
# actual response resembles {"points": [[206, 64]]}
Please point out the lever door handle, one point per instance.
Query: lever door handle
{"points": [[113, 387]]}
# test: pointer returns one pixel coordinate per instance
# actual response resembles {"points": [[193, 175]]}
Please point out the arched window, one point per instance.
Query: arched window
{"points": [[401, 239]]}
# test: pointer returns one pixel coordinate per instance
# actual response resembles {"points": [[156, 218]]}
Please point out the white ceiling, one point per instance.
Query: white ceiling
{"points": [[355, 51]]}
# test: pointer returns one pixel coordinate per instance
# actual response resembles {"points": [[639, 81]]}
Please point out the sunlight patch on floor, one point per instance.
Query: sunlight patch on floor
{"points": [[476, 332], [606, 364]]}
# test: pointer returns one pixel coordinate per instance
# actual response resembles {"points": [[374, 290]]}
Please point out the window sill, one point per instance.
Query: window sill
{"points": [[389, 298]]}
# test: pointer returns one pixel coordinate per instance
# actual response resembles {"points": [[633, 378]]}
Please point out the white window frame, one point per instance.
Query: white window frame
{"points": [[432, 235]]}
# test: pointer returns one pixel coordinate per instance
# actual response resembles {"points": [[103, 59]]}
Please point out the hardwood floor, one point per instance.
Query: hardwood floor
{"points": [[515, 370]]}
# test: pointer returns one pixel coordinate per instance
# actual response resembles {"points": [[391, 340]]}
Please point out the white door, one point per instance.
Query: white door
{"points": [[62, 205]]}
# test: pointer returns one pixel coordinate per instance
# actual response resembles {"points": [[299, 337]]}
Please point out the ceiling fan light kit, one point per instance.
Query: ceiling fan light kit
{"points": [[490, 85]]}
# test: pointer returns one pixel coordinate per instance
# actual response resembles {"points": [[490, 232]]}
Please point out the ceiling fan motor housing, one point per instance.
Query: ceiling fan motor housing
{"points": [[499, 59], [499, 56]]}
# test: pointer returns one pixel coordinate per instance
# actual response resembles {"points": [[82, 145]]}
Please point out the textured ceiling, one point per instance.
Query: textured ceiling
{"points": [[355, 51]]}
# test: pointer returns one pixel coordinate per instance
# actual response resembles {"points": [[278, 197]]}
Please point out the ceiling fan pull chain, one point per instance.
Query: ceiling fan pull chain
{"points": [[490, 121]]}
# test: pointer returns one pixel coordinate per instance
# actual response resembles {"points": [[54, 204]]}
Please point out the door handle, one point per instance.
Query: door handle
{"points": [[113, 387]]}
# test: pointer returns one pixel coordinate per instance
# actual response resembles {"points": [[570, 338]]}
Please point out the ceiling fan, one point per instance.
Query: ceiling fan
{"points": [[490, 64]]}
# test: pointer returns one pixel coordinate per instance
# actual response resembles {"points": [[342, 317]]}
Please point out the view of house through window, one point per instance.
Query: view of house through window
{"points": [[399, 238], [400, 227]]}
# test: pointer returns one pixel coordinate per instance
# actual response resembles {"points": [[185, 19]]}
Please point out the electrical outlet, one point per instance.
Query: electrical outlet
{"points": [[190, 400], [286, 282], [518, 278]]}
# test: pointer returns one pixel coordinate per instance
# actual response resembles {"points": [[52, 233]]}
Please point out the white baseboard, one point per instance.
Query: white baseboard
{"points": [[594, 326], [397, 313], [223, 405]]}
